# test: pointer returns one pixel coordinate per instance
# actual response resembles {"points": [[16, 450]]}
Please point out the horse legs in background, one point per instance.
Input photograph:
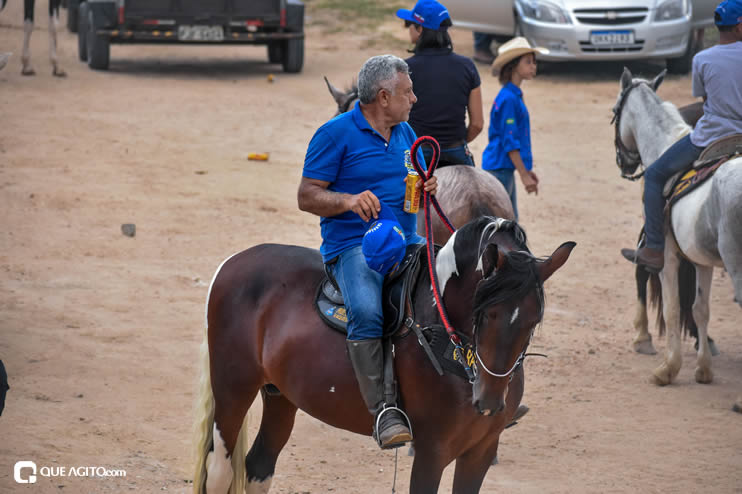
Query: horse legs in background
{"points": [[643, 340], [665, 373], [275, 430], [28, 25], [701, 316]]}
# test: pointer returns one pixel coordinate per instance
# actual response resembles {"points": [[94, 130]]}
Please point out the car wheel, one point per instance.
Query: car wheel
{"points": [[99, 47], [72, 17], [683, 64], [82, 32], [293, 56]]}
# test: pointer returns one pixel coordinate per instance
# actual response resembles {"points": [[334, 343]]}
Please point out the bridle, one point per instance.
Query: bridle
{"points": [[626, 159]]}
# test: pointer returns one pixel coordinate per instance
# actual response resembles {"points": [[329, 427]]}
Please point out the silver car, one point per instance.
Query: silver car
{"points": [[595, 29]]}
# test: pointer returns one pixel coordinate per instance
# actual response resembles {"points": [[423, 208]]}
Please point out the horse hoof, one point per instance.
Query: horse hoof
{"points": [[737, 407], [661, 377], [59, 73], [704, 376], [411, 451], [645, 347], [28, 72]]}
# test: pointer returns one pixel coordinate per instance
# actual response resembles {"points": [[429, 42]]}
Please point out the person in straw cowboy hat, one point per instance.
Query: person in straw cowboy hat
{"points": [[509, 147]]}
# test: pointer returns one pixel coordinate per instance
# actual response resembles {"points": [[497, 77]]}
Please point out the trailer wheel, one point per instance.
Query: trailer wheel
{"points": [[293, 56], [99, 47], [72, 16], [275, 52], [82, 32]]}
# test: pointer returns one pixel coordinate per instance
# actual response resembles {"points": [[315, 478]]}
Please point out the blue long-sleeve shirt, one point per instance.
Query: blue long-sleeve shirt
{"points": [[509, 129]]}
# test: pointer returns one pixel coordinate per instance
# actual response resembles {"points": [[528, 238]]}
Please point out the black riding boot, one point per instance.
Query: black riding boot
{"points": [[367, 357]]}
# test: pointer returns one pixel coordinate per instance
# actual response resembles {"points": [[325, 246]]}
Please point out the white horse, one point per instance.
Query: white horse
{"points": [[705, 225], [54, 23]]}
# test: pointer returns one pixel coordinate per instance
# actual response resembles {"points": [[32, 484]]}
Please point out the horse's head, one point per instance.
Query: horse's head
{"points": [[627, 154], [491, 255], [344, 99]]}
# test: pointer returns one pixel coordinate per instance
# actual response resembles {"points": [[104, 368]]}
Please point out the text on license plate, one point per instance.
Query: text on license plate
{"points": [[612, 37], [200, 33]]}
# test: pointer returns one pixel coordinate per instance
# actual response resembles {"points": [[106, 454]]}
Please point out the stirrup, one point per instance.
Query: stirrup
{"points": [[387, 408]]}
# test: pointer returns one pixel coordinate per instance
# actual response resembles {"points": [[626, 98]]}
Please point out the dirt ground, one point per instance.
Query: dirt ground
{"points": [[100, 331]]}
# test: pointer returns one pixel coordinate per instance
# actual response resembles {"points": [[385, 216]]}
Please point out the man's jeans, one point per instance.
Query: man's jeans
{"points": [[506, 176], [678, 157], [459, 155], [361, 289]]}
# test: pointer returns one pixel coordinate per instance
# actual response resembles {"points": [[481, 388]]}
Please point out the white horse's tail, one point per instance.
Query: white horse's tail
{"points": [[203, 430]]}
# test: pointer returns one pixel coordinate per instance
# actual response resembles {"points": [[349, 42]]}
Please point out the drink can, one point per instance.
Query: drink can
{"points": [[412, 193], [258, 156]]}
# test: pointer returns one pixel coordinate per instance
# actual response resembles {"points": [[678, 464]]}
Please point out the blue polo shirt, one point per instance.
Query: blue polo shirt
{"points": [[510, 128], [353, 157]]}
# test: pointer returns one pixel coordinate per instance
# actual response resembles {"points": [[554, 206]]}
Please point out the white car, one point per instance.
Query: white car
{"points": [[595, 29]]}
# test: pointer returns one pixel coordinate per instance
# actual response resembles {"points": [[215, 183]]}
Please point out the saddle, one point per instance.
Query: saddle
{"points": [[716, 154], [397, 291]]}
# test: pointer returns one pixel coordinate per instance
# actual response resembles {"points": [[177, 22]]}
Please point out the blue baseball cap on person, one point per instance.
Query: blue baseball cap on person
{"points": [[384, 242], [427, 13], [729, 13]]}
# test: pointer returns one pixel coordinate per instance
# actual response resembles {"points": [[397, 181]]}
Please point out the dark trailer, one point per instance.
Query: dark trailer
{"points": [[278, 24]]}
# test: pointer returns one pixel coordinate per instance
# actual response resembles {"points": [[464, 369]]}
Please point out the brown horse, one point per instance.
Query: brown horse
{"points": [[265, 335]]}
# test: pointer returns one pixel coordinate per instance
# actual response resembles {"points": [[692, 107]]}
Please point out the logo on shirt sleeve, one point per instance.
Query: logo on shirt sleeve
{"points": [[510, 121]]}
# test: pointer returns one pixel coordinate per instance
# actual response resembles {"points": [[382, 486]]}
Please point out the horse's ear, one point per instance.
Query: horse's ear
{"points": [[556, 261], [626, 78], [658, 80], [491, 260], [337, 95]]}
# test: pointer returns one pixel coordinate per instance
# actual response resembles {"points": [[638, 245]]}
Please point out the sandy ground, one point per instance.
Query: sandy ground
{"points": [[100, 331]]}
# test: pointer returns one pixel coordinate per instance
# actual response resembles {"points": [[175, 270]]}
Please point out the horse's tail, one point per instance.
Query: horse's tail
{"points": [[687, 294], [203, 430]]}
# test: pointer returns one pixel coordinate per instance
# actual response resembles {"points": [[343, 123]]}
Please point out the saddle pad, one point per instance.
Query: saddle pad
{"points": [[693, 178]]}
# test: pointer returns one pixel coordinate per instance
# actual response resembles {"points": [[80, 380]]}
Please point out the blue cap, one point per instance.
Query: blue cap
{"points": [[427, 13], [729, 13], [384, 242]]}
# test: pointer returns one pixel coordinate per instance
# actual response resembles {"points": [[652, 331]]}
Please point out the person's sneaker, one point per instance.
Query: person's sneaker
{"points": [[485, 57], [393, 431], [653, 260]]}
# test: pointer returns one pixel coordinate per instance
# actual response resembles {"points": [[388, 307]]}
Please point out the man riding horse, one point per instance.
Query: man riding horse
{"points": [[717, 78], [354, 163]]}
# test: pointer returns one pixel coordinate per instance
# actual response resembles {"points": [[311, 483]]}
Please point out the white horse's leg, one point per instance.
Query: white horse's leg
{"points": [[643, 340], [218, 466], [665, 373], [701, 312], [26, 53], [53, 24]]}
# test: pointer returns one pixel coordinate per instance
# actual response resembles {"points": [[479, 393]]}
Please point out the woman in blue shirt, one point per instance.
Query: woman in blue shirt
{"points": [[509, 147]]}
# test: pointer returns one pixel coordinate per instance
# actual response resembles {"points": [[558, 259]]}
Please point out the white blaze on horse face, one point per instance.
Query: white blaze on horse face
{"points": [[445, 263], [515, 315], [218, 466]]}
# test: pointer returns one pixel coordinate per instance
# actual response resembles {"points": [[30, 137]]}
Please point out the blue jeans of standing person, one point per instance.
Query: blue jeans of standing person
{"points": [[361, 289], [459, 155], [482, 41], [506, 176], [678, 157]]}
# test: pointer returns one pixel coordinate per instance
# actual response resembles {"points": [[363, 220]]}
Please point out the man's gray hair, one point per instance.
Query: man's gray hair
{"points": [[379, 72]]}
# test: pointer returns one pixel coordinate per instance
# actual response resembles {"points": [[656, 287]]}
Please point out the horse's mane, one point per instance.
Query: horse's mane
{"points": [[670, 114], [517, 276]]}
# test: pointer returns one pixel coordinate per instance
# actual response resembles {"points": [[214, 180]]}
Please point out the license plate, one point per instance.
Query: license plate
{"points": [[608, 38], [200, 33]]}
